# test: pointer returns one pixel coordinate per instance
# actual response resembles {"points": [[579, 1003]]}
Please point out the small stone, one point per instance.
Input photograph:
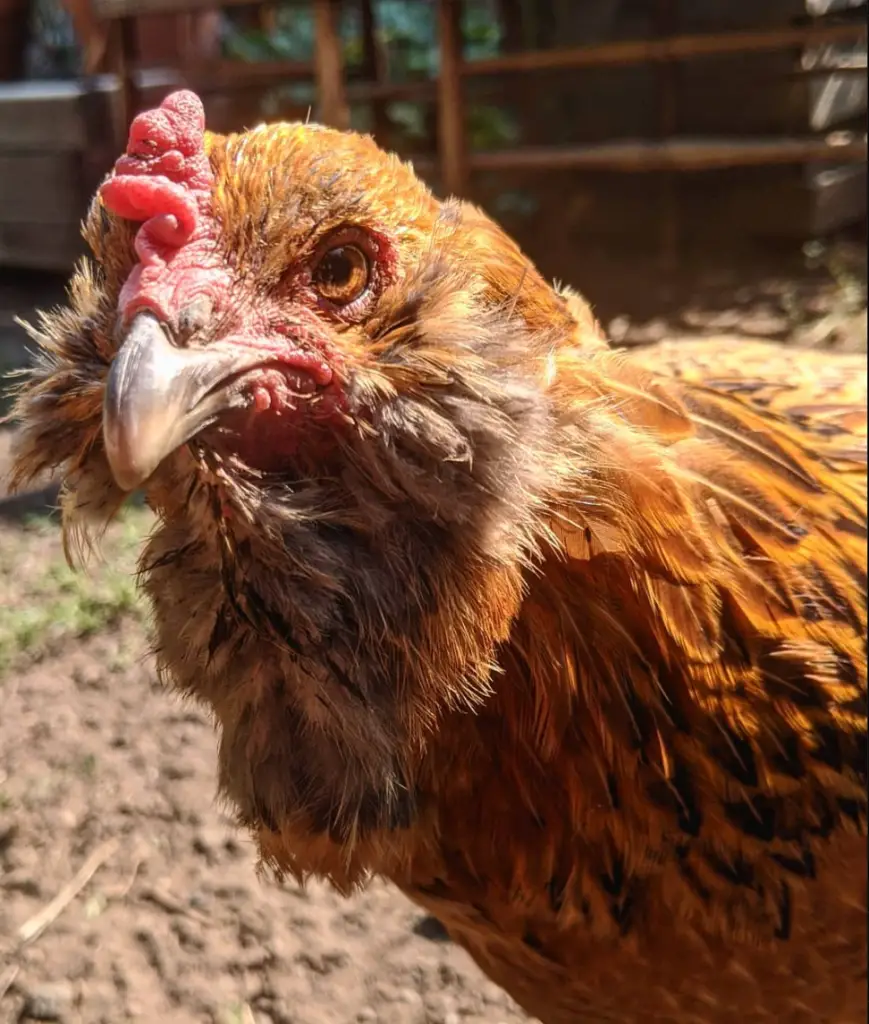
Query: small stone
{"points": [[764, 325], [618, 329], [210, 843], [647, 333], [711, 320], [493, 995], [366, 1014], [49, 1001]]}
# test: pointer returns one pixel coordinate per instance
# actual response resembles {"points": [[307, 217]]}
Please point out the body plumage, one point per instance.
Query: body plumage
{"points": [[569, 643]]}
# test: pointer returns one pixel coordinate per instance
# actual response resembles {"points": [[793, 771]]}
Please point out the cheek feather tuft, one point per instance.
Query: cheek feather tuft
{"points": [[165, 181]]}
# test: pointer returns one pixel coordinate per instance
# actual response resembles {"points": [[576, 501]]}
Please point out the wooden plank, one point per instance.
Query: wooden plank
{"points": [[730, 206], [818, 8], [41, 188], [212, 76], [53, 247], [672, 154], [40, 116], [730, 94], [121, 55], [451, 120], [109, 9], [46, 116], [839, 198], [332, 107], [722, 15], [645, 51], [835, 99], [376, 74]]}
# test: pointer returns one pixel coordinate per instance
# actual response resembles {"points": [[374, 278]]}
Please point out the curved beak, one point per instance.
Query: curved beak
{"points": [[159, 395]]}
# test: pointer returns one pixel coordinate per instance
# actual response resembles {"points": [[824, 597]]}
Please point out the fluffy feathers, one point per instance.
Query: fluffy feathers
{"points": [[568, 643]]}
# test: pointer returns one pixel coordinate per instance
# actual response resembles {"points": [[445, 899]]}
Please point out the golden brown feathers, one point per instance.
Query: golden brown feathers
{"points": [[570, 643]]}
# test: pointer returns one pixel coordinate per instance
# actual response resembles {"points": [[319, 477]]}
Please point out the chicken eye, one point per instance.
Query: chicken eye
{"points": [[342, 274]]}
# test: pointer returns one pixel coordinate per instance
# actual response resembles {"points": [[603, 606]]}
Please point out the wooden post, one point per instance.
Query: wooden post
{"points": [[123, 51], [451, 121], [329, 66], [375, 72]]}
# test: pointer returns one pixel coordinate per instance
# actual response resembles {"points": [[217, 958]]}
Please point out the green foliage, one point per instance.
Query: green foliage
{"points": [[407, 36], [45, 603]]}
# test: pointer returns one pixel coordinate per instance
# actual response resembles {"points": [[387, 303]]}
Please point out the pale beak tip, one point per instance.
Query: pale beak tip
{"points": [[129, 471], [137, 403]]}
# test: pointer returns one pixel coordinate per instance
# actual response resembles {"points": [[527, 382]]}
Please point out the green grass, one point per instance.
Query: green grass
{"points": [[46, 604]]}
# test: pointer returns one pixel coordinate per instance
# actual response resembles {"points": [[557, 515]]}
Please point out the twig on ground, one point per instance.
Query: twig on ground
{"points": [[171, 904], [7, 978], [36, 925]]}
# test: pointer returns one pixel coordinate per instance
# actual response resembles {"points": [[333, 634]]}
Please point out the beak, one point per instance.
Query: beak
{"points": [[159, 395]]}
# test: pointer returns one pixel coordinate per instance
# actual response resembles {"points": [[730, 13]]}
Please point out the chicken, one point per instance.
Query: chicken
{"points": [[568, 643]]}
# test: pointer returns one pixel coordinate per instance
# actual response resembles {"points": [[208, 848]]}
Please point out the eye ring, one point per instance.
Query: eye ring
{"points": [[342, 274]]}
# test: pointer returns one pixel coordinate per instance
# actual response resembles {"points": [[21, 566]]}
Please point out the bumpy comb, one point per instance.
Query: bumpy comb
{"points": [[165, 181]]}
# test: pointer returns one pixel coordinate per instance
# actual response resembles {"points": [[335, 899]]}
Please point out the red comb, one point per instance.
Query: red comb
{"points": [[165, 180]]}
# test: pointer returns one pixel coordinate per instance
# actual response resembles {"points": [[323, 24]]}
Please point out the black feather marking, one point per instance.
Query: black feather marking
{"points": [[613, 879], [787, 759], [686, 870], [755, 818], [736, 872], [734, 753], [555, 888], [785, 909], [827, 747], [622, 888], [675, 794], [802, 867], [613, 791]]}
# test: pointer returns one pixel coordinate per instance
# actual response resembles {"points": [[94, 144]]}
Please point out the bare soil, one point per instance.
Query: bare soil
{"points": [[105, 774]]}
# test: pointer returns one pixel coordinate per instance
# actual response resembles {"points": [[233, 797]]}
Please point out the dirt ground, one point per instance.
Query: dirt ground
{"points": [[125, 893]]}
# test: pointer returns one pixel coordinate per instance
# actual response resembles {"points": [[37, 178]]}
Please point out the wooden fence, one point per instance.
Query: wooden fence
{"points": [[783, 41], [454, 160], [662, 149]]}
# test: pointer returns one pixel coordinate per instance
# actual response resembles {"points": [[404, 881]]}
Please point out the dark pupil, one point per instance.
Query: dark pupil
{"points": [[337, 268]]}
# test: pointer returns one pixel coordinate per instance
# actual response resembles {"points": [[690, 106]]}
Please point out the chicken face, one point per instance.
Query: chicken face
{"points": [[297, 293], [238, 292]]}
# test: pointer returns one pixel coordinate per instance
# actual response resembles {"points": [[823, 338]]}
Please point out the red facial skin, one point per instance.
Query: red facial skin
{"points": [[165, 181]]}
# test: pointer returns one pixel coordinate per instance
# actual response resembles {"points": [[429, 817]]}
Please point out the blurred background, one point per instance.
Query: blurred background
{"points": [[695, 167]]}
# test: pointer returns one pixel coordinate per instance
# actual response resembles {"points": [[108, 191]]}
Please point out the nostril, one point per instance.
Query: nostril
{"points": [[193, 318]]}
